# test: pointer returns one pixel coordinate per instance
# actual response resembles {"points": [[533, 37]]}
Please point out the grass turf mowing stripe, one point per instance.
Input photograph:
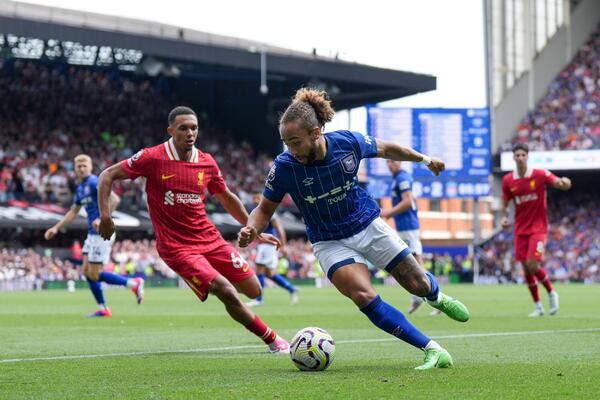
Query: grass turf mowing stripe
{"points": [[228, 348]]}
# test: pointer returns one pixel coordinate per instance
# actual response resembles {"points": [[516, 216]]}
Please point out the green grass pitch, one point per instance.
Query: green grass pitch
{"points": [[174, 347]]}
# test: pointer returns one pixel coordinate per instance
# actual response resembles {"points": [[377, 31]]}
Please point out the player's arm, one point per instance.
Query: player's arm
{"points": [[257, 221], [65, 220], [404, 205], [506, 196], [279, 229], [504, 214], [563, 183], [233, 205], [393, 151], [105, 183], [114, 201]]}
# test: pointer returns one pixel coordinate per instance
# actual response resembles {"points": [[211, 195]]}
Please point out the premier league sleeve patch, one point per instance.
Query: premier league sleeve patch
{"points": [[349, 163], [134, 157]]}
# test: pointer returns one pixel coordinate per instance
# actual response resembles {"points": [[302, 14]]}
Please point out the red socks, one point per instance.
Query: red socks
{"points": [[261, 330], [544, 279], [533, 288]]}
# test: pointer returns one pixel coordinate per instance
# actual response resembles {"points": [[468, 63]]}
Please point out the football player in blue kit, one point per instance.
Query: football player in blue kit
{"points": [[96, 251], [406, 219], [342, 220], [267, 260]]}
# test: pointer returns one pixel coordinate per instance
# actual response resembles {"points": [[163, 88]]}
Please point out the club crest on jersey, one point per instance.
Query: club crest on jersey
{"points": [[200, 178], [532, 184], [135, 157], [349, 163]]}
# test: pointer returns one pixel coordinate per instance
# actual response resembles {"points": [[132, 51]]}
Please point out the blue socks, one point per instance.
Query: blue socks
{"points": [[96, 288], [435, 289], [261, 279], [391, 320], [281, 281], [112, 279]]}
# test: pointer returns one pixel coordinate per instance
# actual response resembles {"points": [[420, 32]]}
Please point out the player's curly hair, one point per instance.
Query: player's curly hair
{"points": [[311, 107]]}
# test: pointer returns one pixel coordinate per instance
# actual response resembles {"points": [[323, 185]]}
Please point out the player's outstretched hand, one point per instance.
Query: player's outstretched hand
{"points": [[50, 233], [268, 238], [436, 166], [504, 223], [246, 236], [106, 228]]}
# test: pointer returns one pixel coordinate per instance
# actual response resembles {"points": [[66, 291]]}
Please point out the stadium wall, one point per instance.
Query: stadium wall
{"points": [[549, 62]]}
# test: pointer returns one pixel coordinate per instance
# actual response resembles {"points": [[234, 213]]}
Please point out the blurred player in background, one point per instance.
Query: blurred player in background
{"points": [[178, 175], [527, 187], [342, 221], [267, 260], [404, 212], [96, 251]]}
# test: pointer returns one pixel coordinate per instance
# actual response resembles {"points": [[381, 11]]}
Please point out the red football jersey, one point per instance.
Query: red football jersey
{"points": [[529, 194], [176, 190]]}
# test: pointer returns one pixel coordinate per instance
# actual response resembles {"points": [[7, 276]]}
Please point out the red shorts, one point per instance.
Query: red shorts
{"points": [[530, 247], [199, 269]]}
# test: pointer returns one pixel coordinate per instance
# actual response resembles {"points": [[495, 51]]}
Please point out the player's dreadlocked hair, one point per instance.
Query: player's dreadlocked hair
{"points": [[311, 107]]}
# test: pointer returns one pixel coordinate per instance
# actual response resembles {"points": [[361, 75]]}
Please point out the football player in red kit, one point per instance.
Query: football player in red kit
{"points": [[527, 187], [177, 177]]}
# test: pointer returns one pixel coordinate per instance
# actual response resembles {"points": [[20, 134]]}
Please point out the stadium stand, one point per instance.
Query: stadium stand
{"points": [[568, 116], [58, 111]]}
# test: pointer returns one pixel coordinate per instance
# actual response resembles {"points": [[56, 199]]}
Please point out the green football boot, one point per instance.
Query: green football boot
{"points": [[435, 358], [452, 308]]}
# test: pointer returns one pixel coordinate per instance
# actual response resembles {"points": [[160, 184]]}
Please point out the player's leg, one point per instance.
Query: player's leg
{"points": [[354, 281], [91, 272], [100, 255], [385, 249], [521, 251], [535, 256], [260, 275], [415, 301], [346, 268], [226, 260], [227, 293], [271, 273]]}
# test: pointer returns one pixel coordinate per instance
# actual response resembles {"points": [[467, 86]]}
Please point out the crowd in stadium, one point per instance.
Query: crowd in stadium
{"points": [[128, 258], [573, 249], [58, 111], [568, 116]]}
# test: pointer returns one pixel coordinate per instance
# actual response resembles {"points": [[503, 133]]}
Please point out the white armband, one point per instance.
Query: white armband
{"points": [[426, 160]]}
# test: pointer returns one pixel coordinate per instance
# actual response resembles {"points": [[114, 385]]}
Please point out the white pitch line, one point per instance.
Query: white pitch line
{"points": [[228, 348]]}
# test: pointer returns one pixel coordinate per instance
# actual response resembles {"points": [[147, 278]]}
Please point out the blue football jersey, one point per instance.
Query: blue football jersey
{"points": [[326, 192], [407, 220], [86, 194]]}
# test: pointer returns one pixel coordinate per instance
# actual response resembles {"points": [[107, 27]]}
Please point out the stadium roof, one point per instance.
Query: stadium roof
{"points": [[218, 73]]}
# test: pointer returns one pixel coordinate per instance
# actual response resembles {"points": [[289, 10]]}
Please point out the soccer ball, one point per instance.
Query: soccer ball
{"points": [[312, 349]]}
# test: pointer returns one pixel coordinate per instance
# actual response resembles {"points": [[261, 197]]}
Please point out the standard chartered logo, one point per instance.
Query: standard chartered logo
{"points": [[169, 198], [182, 198]]}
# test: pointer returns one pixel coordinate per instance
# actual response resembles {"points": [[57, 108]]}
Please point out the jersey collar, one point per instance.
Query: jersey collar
{"points": [[527, 173], [174, 156]]}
